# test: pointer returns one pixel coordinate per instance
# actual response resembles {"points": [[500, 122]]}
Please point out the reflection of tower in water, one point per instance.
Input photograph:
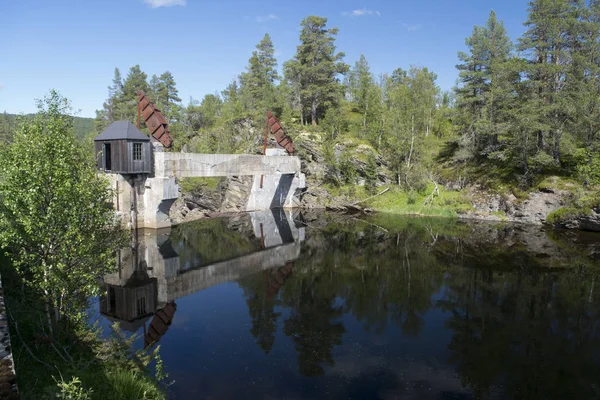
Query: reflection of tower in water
{"points": [[131, 295], [162, 267], [159, 324], [276, 277]]}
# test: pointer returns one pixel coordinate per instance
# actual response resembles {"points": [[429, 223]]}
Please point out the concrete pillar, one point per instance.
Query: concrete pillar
{"points": [[159, 195]]}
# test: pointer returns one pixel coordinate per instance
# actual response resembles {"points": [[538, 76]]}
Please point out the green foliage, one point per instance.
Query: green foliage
{"points": [[336, 120], [366, 97], [410, 109], [122, 102], [396, 201], [514, 118], [412, 197], [83, 127], [7, 127], [371, 173], [165, 94], [195, 185], [347, 168], [485, 91], [333, 172], [257, 85], [76, 363], [582, 205], [588, 169], [73, 390], [315, 67], [564, 214], [56, 217]]}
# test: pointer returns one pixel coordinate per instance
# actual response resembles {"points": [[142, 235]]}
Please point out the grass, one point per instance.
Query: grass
{"points": [[190, 185], [559, 183], [396, 201], [580, 207], [76, 363], [500, 214], [566, 213]]}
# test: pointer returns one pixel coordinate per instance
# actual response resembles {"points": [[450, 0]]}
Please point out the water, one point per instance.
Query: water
{"points": [[321, 306]]}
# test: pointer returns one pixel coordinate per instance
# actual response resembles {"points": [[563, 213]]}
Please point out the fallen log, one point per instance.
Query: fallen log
{"points": [[372, 197]]}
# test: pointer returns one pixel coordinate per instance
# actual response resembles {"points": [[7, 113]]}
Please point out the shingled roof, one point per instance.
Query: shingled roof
{"points": [[121, 130]]}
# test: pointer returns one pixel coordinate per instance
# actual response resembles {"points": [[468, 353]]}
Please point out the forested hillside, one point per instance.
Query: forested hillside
{"points": [[521, 110], [524, 115], [84, 127]]}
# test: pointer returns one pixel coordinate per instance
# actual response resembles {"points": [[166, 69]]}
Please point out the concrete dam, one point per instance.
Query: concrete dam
{"points": [[144, 177]]}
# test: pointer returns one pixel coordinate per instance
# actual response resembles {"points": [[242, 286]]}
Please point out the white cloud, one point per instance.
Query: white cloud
{"points": [[164, 3], [360, 12], [411, 27], [265, 18]]}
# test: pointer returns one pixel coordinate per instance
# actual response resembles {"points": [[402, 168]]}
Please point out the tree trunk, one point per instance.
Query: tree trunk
{"points": [[557, 148], [541, 143], [313, 112], [47, 300], [412, 142], [524, 145]]}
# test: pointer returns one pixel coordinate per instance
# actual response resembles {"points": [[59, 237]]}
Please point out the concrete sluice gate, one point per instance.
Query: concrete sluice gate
{"points": [[164, 265]]}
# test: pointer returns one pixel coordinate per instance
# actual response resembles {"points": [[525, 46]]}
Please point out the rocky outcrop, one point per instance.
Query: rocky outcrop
{"points": [[237, 193], [230, 196], [586, 220], [532, 210]]}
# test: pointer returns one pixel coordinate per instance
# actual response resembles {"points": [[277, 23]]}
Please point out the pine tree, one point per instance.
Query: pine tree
{"points": [[168, 96], [484, 86], [155, 88], [232, 109], [546, 43], [112, 109], [115, 91], [257, 84], [585, 90], [136, 80], [316, 66], [361, 87]]}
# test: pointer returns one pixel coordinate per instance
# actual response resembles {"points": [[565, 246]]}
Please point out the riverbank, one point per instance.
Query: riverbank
{"points": [[75, 363], [553, 202], [339, 182]]}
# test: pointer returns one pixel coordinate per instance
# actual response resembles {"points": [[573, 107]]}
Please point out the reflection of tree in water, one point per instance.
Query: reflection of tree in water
{"points": [[313, 327], [261, 309], [532, 333], [396, 286], [519, 328]]}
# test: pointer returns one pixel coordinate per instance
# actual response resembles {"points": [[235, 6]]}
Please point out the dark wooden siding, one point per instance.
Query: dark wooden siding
{"points": [[122, 157], [142, 166]]}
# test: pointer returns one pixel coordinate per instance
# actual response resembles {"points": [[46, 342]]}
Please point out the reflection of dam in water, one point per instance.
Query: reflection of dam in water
{"points": [[169, 264]]}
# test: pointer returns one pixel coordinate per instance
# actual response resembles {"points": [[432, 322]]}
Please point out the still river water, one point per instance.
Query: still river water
{"points": [[321, 306]]}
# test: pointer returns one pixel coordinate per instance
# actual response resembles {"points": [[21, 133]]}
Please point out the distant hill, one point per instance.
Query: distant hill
{"points": [[84, 127]]}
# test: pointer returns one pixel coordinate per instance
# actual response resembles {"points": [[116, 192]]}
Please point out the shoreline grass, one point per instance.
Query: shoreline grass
{"points": [[446, 203]]}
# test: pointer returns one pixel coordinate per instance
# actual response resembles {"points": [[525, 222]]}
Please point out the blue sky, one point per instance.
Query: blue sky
{"points": [[74, 46]]}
